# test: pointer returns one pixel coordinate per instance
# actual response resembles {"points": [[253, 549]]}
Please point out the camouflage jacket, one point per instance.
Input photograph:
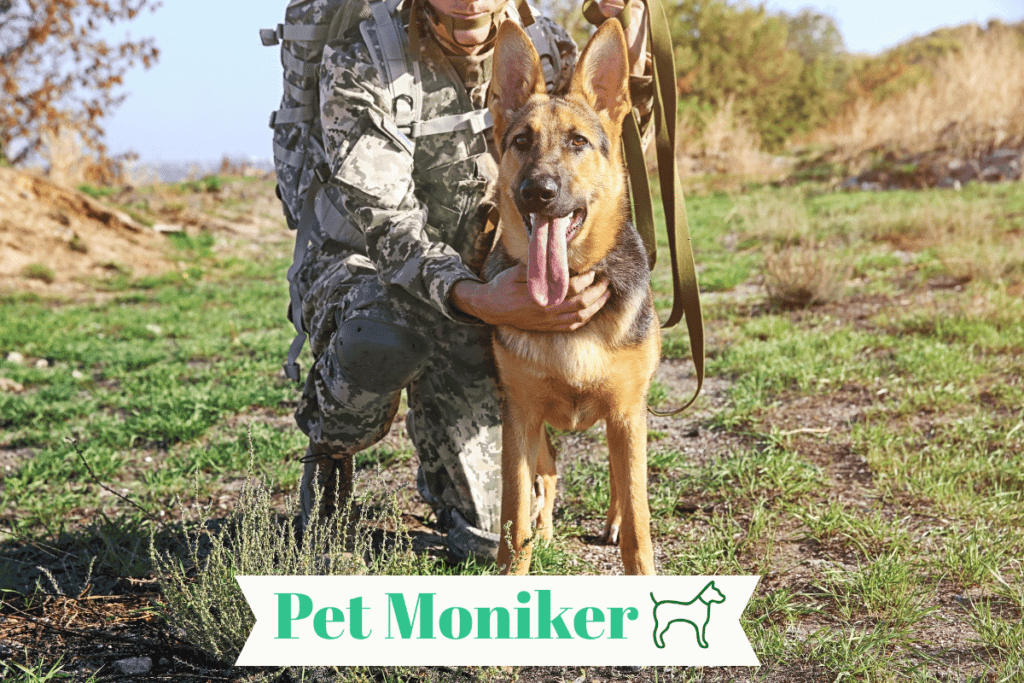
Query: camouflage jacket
{"points": [[415, 205]]}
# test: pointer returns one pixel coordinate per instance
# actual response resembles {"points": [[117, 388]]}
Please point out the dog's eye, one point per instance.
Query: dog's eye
{"points": [[521, 141], [579, 141]]}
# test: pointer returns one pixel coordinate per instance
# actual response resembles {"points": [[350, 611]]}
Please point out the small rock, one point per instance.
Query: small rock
{"points": [[42, 364], [992, 173], [77, 374], [155, 329], [9, 385], [15, 357], [134, 666], [966, 172], [1002, 154]]}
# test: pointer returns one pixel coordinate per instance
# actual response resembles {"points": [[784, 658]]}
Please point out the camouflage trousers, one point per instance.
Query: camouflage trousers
{"points": [[454, 417]]}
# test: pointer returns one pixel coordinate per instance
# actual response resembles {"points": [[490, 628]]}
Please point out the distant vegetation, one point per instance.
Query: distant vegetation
{"points": [[757, 88], [757, 85], [753, 82], [960, 89]]}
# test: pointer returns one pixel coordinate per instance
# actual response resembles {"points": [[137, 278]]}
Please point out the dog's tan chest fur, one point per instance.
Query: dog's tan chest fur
{"points": [[567, 374], [574, 379]]}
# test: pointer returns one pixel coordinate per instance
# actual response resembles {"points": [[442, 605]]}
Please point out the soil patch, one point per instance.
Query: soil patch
{"points": [[65, 237]]}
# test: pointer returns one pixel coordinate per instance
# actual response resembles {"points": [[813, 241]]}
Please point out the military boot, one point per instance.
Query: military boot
{"points": [[326, 483]]}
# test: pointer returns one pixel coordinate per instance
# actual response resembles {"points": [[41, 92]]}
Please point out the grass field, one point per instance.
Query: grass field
{"points": [[860, 444]]}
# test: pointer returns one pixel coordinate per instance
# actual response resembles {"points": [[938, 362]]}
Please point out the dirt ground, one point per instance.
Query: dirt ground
{"points": [[59, 241], [70, 234]]}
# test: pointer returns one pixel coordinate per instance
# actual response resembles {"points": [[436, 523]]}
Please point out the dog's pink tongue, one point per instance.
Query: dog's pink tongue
{"points": [[548, 268]]}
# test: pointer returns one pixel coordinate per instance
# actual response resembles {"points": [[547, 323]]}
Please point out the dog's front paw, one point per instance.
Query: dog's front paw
{"points": [[611, 534]]}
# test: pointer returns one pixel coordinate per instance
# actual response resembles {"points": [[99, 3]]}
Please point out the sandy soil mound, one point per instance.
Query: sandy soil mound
{"points": [[71, 234]]}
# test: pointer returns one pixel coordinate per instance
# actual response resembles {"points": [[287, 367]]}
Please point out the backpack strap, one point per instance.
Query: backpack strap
{"points": [[400, 72], [477, 121], [308, 33], [402, 75], [306, 112], [306, 234], [303, 237]]}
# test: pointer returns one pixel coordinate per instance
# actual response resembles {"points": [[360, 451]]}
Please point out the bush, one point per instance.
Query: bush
{"points": [[39, 271], [779, 71], [204, 600], [800, 276]]}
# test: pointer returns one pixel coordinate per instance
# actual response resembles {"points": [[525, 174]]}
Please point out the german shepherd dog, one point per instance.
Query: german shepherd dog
{"points": [[562, 199]]}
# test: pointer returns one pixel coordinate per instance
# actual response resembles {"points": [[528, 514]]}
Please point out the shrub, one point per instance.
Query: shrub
{"points": [[39, 271], [803, 275], [204, 600]]}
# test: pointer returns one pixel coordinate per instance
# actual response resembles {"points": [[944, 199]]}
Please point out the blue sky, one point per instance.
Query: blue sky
{"points": [[215, 84]]}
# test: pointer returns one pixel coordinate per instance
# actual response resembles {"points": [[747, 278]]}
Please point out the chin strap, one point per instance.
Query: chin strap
{"points": [[446, 25]]}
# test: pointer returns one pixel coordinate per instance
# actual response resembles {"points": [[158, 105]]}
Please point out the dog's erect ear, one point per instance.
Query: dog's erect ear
{"points": [[516, 75], [602, 73]]}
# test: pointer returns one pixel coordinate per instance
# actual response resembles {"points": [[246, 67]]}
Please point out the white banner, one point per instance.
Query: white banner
{"points": [[497, 621]]}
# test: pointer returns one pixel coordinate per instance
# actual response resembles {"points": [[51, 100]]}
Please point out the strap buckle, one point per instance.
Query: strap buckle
{"points": [[271, 36], [322, 172], [479, 124], [293, 371]]}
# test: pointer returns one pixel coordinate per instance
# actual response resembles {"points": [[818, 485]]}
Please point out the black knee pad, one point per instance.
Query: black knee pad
{"points": [[379, 356]]}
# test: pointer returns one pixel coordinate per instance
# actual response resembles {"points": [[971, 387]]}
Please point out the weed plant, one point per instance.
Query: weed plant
{"points": [[39, 271], [202, 597]]}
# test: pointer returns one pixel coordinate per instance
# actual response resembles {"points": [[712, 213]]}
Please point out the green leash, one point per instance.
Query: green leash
{"points": [[685, 290]]}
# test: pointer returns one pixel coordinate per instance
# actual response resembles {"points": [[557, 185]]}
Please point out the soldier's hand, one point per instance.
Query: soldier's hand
{"points": [[505, 300], [636, 32]]}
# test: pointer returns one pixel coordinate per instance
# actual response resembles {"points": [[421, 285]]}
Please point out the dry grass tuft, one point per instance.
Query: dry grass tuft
{"points": [[64, 152], [202, 598], [804, 275], [973, 103], [725, 144], [799, 269]]}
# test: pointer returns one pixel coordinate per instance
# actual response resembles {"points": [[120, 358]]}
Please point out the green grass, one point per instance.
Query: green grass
{"points": [[155, 369], [864, 457], [39, 672]]}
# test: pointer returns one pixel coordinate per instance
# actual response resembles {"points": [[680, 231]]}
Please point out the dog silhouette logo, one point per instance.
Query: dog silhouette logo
{"points": [[696, 613]]}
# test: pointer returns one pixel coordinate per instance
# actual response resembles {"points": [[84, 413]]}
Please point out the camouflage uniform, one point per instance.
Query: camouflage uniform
{"points": [[401, 224]]}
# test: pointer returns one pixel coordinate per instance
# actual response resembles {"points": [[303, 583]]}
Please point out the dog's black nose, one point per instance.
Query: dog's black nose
{"points": [[539, 191]]}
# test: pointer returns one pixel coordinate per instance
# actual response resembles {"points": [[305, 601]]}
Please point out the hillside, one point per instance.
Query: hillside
{"points": [[938, 110], [58, 240], [50, 235]]}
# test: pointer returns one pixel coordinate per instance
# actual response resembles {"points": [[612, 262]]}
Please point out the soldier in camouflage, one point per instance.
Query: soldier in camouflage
{"points": [[390, 299]]}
